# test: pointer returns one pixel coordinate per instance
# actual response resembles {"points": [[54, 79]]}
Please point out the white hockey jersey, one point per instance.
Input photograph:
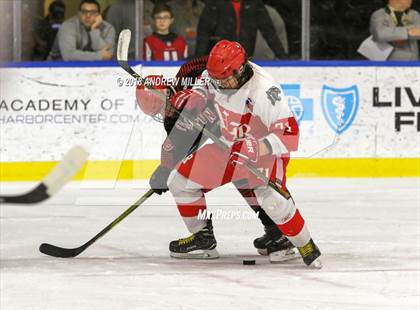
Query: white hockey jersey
{"points": [[258, 108]]}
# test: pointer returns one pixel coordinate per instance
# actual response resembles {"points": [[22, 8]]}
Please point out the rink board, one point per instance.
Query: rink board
{"points": [[356, 120]]}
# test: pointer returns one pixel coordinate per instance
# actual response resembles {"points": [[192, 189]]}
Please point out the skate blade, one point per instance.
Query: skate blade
{"points": [[262, 252], [316, 264], [197, 254], [283, 255]]}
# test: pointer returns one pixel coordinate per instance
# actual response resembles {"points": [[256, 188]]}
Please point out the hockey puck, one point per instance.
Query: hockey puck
{"points": [[248, 262]]}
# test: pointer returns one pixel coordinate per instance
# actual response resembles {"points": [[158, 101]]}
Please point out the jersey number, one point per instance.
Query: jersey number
{"points": [[170, 55]]}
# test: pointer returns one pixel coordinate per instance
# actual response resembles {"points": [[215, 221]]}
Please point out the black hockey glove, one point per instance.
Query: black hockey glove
{"points": [[159, 179]]}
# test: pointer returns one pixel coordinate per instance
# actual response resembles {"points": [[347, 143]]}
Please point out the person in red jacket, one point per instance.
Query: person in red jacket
{"points": [[163, 44]]}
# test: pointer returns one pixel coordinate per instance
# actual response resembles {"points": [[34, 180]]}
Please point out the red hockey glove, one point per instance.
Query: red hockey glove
{"points": [[245, 150], [189, 99]]}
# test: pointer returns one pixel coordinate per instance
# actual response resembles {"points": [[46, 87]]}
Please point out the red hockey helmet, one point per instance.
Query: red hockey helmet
{"points": [[226, 59], [148, 101]]}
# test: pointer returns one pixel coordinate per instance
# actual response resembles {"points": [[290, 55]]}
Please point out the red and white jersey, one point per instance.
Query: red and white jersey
{"points": [[258, 108], [170, 47]]}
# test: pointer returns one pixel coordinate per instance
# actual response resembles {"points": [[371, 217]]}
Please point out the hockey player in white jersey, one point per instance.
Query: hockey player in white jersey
{"points": [[259, 128]]}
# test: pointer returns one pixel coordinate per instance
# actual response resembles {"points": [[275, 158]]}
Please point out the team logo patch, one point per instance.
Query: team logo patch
{"points": [[274, 95], [339, 106]]}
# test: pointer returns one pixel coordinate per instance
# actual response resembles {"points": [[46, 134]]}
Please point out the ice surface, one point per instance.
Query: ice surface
{"points": [[367, 229]]}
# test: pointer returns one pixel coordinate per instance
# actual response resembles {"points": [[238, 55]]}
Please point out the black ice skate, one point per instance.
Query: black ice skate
{"points": [[276, 245], [201, 245], [282, 250], [310, 254], [271, 235]]}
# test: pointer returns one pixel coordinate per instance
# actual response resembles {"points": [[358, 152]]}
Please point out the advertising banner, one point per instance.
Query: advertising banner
{"points": [[343, 112]]}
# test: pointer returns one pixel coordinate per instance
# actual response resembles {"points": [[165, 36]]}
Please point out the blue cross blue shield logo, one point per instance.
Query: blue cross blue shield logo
{"points": [[302, 108], [340, 106]]}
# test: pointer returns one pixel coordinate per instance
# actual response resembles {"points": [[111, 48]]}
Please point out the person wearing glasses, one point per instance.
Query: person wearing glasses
{"points": [[163, 44], [85, 36]]}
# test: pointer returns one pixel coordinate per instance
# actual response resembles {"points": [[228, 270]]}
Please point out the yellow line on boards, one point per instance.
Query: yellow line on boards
{"points": [[142, 169], [354, 167]]}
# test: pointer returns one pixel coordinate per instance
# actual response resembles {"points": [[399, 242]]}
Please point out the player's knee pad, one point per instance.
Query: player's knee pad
{"points": [[278, 208], [183, 190]]}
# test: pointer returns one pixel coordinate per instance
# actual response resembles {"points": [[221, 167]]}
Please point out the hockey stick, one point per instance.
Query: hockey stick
{"points": [[56, 251], [122, 56], [71, 163]]}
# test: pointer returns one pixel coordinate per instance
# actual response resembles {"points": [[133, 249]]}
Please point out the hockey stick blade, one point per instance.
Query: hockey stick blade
{"points": [[122, 53], [71, 163], [38, 194], [123, 44], [56, 251]]}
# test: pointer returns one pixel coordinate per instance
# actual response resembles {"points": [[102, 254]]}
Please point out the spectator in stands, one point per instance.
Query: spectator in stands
{"points": [[164, 44], [262, 50], [398, 25], [46, 30], [121, 15], [187, 14], [291, 13], [236, 20], [85, 36]]}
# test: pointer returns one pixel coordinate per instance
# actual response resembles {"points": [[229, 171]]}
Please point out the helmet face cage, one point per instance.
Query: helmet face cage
{"points": [[236, 80], [153, 98], [160, 116], [157, 117], [166, 108], [231, 82]]}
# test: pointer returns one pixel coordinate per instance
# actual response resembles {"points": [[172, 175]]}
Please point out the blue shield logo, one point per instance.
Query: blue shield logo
{"points": [[340, 106]]}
